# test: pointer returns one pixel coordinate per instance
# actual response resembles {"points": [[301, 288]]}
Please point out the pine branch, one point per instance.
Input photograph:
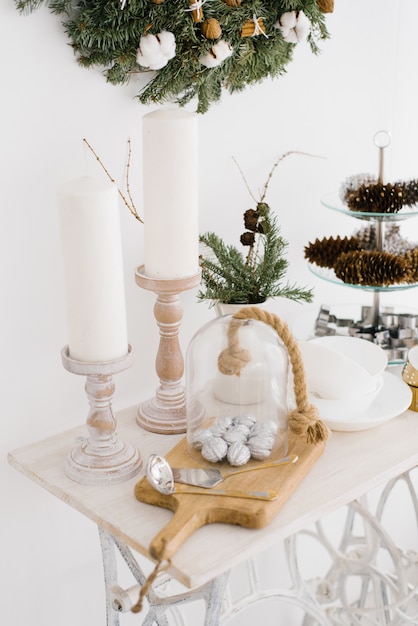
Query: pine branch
{"points": [[228, 277], [27, 6]]}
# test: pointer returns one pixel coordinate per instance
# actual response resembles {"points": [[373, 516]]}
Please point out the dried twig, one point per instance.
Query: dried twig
{"points": [[269, 177], [130, 205], [244, 179], [253, 254], [128, 187]]}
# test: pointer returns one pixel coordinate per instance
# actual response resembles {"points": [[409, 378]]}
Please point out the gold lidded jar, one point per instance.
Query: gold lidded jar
{"points": [[410, 376], [237, 393]]}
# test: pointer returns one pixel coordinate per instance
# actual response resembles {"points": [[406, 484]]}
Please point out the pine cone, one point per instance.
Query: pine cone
{"points": [[352, 183], [393, 240], [325, 252], [409, 191], [376, 198], [367, 237], [247, 238], [251, 218], [411, 258], [374, 268]]}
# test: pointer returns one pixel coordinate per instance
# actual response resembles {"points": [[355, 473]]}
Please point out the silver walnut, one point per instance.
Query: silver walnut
{"points": [[214, 449], [238, 454]]}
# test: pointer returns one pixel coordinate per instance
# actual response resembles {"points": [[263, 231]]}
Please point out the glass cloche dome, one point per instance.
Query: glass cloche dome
{"points": [[237, 393]]}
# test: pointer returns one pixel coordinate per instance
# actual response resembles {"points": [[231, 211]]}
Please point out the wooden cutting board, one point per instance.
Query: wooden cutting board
{"points": [[192, 511]]}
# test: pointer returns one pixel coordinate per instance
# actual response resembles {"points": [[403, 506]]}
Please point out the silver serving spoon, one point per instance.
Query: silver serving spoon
{"points": [[162, 476], [207, 478]]}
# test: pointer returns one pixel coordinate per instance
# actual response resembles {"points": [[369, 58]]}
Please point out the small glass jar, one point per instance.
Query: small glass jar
{"points": [[237, 393]]}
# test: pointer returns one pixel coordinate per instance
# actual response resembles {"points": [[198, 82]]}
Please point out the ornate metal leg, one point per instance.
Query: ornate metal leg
{"points": [[370, 581], [110, 576], [257, 594], [120, 600]]}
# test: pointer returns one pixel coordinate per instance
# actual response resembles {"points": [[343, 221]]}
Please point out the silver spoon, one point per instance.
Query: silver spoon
{"points": [[162, 476], [208, 478]]}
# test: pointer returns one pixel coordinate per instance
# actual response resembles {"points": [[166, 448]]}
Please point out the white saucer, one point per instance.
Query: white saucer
{"points": [[392, 400]]}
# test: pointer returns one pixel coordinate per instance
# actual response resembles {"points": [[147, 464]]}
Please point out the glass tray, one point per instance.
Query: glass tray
{"points": [[328, 274], [332, 201]]}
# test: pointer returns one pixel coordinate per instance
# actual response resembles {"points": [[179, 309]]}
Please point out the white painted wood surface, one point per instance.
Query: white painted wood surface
{"points": [[352, 464]]}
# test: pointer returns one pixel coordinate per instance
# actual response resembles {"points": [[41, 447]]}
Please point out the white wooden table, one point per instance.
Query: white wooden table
{"points": [[352, 465]]}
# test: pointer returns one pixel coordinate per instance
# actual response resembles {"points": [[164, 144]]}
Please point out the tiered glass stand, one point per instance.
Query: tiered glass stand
{"points": [[393, 329]]}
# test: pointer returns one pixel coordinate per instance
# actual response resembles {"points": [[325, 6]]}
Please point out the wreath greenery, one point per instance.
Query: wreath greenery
{"points": [[191, 48]]}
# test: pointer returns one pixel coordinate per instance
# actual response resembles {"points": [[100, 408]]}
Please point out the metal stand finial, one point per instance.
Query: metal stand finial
{"points": [[382, 139]]}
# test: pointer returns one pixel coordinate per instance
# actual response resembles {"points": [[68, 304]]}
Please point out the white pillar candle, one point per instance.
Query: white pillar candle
{"points": [[171, 185], [93, 267]]}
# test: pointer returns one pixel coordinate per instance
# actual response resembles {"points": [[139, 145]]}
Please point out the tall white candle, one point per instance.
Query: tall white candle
{"points": [[171, 173], [93, 267]]}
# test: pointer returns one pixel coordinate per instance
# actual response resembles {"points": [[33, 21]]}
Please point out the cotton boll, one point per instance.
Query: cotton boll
{"points": [[294, 26], [218, 53], [155, 51], [167, 44], [291, 37], [158, 62], [287, 21], [303, 26], [148, 48], [223, 50]]}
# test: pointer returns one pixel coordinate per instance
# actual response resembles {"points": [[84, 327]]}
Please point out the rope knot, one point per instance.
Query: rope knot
{"points": [[234, 358], [232, 362], [308, 423]]}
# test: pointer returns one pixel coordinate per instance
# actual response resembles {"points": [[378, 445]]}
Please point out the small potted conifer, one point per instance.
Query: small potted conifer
{"points": [[232, 276]]}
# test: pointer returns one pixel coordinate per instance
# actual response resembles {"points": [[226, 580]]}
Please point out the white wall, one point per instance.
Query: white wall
{"points": [[331, 105]]}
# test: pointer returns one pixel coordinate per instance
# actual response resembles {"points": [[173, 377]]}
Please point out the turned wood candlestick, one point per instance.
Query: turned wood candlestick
{"points": [[166, 412], [102, 458]]}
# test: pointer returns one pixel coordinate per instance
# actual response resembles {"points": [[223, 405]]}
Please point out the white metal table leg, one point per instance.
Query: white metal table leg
{"points": [[120, 600], [371, 581]]}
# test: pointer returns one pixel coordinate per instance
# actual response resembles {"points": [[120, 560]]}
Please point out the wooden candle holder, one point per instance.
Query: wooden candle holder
{"points": [[101, 459], [166, 412]]}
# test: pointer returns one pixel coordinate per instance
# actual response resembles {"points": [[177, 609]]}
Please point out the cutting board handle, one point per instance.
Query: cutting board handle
{"points": [[170, 538]]}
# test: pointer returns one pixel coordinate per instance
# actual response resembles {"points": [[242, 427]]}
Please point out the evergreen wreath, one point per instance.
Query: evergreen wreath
{"points": [[192, 48]]}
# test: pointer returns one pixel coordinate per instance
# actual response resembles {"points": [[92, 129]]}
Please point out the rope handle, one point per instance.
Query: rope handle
{"points": [[161, 566], [304, 420]]}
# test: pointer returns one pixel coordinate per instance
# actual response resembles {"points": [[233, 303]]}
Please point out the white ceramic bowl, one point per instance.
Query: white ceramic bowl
{"points": [[349, 408], [365, 353], [331, 375]]}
